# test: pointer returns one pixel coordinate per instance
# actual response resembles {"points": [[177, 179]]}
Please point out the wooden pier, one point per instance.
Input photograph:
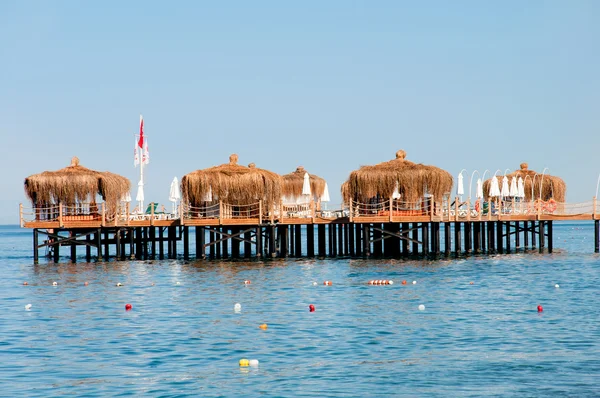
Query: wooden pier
{"points": [[387, 231]]}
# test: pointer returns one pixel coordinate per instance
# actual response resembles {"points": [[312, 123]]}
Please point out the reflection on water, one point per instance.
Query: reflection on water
{"points": [[473, 339]]}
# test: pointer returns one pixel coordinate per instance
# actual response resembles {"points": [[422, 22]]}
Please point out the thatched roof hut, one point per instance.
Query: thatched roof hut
{"points": [[294, 181], [554, 187], [74, 185], [412, 180], [233, 183]]}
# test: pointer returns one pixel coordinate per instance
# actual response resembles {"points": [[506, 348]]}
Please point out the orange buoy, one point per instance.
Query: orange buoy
{"points": [[246, 282], [85, 284], [25, 283], [404, 282], [263, 326], [327, 283]]}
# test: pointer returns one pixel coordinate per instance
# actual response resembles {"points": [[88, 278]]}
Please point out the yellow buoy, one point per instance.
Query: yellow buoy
{"points": [[263, 326], [244, 362]]}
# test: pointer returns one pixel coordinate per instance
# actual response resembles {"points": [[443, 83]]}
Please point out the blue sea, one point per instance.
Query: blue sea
{"points": [[480, 333]]}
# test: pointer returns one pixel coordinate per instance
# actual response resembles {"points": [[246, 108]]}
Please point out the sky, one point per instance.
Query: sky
{"points": [[329, 85]]}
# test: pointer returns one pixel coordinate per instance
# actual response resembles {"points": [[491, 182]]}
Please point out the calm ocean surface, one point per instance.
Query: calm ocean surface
{"points": [[480, 339]]}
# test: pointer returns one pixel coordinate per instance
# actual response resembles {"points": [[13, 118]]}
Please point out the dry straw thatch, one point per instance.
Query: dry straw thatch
{"points": [[232, 183], [413, 181], [74, 185], [554, 187], [293, 182]]}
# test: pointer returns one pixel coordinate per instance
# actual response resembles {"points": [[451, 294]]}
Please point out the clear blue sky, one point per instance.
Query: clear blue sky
{"points": [[330, 85]]}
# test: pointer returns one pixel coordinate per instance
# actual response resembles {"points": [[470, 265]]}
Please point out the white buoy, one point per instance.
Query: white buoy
{"points": [[178, 283], [54, 283], [253, 363], [414, 282], [315, 283], [421, 307], [556, 286], [390, 282], [119, 284], [237, 307], [28, 307]]}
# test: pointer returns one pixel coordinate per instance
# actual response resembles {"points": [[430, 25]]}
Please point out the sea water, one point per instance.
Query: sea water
{"points": [[480, 333]]}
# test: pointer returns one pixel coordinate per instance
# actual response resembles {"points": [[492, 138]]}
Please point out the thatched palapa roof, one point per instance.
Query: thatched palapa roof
{"points": [[233, 183], [75, 184], [293, 182], [412, 180], [554, 187]]}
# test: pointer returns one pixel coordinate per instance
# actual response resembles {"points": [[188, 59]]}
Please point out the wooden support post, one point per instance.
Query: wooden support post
{"points": [[310, 240], [333, 228], [199, 242], [153, 241], [272, 241], [72, 235], [284, 244], [321, 239], [161, 242], [404, 242], [340, 237], [131, 243], [415, 237], [235, 243], [550, 233], [366, 239], [468, 239], [351, 240], [482, 246], [447, 244], [597, 236], [358, 245], [56, 247], [499, 233], [36, 255], [298, 237], [186, 243], [118, 243], [291, 240], [169, 242], [346, 239], [224, 244], [457, 239], [98, 243], [247, 244], [436, 238], [88, 248], [541, 235], [259, 241], [507, 225], [526, 234], [106, 244], [490, 236], [533, 228], [425, 235], [517, 235]]}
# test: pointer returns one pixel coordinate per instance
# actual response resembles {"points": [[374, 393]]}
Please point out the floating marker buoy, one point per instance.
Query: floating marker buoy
{"points": [[253, 363], [404, 282], [315, 283], [128, 307], [263, 326], [381, 282], [327, 283], [85, 283], [470, 283], [311, 308], [244, 362], [246, 282], [390, 282], [54, 283], [178, 283], [25, 283], [414, 282], [540, 308], [556, 286], [119, 284], [28, 307], [237, 307], [421, 307]]}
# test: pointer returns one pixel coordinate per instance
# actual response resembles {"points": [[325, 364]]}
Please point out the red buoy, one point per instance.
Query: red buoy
{"points": [[540, 308], [86, 283], [404, 282], [128, 307], [25, 283], [327, 283], [311, 308], [246, 282]]}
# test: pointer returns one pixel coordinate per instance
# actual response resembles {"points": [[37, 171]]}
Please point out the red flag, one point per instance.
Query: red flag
{"points": [[141, 140]]}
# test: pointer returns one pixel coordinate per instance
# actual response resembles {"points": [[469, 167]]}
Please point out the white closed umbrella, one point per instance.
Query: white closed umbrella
{"points": [[396, 193], [306, 185], [514, 192], [460, 189], [494, 188], [174, 194], [325, 196], [521, 188], [479, 190], [140, 196], [505, 190]]}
